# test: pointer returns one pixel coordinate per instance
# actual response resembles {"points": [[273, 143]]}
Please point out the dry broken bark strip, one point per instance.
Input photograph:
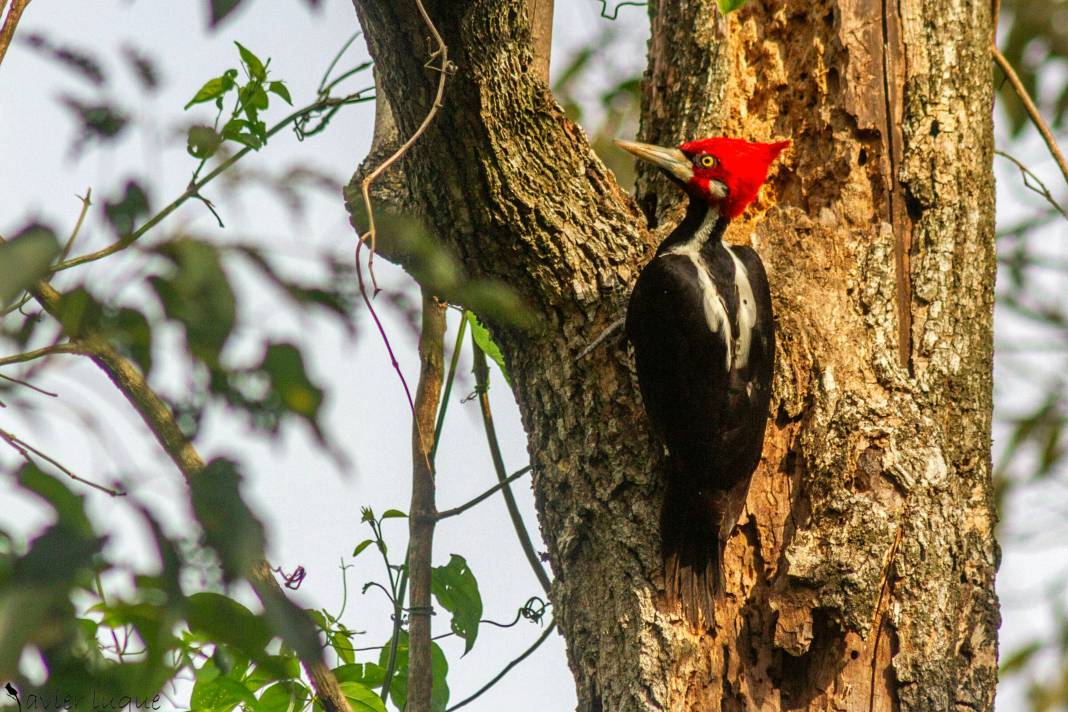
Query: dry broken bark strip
{"points": [[862, 573]]}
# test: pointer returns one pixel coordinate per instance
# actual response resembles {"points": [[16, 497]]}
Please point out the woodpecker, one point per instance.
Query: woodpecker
{"points": [[701, 326]]}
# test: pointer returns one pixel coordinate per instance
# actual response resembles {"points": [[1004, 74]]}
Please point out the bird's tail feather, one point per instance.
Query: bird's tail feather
{"points": [[690, 536]]}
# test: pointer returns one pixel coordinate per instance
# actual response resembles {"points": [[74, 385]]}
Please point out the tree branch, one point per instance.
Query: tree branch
{"points": [[159, 419], [1032, 110], [481, 371], [484, 496], [193, 189], [7, 31], [67, 347], [507, 668], [541, 35], [1037, 186], [441, 53], [554, 221], [24, 449], [422, 514]]}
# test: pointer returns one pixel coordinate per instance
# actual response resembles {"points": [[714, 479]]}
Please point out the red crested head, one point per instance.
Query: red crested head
{"points": [[727, 172], [742, 166]]}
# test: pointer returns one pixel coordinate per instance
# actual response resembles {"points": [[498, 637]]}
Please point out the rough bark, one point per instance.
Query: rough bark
{"points": [[861, 575]]}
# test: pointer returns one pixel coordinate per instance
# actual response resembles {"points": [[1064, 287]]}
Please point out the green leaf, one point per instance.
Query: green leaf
{"points": [[360, 698], [366, 674], [279, 89], [24, 260], [271, 669], [221, 693], [79, 313], [221, 619], [729, 6], [361, 546], [342, 646], [197, 294], [456, 589], [101, 121], [220, 9], [131, 334], [284, 365], [230, 527], [487, 344], [233, 130], [393, 514], [285, 696], [293, 624], [124, 214], [214, 88], [57, 555], [255, 67], [203, 142], [69, 507], [1019, 658], [258, 99]]}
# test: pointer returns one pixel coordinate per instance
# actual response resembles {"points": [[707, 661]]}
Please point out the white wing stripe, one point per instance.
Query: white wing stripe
{"points": [[746, 309], [714, 307]]}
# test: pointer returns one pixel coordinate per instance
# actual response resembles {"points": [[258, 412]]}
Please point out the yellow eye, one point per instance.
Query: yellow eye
{"points": [[707, 161]]}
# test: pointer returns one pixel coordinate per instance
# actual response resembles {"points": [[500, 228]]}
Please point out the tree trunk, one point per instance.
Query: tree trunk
{"points": [[861, 575]]}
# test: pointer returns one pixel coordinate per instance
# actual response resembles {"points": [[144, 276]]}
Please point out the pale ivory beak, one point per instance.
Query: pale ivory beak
{"points": [[671, 160]]}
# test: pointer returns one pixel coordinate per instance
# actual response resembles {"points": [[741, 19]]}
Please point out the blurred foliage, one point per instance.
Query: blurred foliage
{"points": [[1031, 460], [613, 112], [1033, 36], [220, 9], [405, 240], [187, 617], [25, 259]]}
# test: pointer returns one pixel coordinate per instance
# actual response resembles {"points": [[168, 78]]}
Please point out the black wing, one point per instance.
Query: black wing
{"points": [[750, 387], [681, 361], [712, 419]]}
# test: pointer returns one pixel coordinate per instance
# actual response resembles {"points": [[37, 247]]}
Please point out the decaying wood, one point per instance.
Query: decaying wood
{"points": [[861, 574]]}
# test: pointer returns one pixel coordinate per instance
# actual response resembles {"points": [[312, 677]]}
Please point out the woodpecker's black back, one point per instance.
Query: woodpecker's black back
{"points": [[701, 324]]}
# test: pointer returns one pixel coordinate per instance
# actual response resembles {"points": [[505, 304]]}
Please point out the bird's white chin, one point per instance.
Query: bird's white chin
{"points": [[717, 190]]}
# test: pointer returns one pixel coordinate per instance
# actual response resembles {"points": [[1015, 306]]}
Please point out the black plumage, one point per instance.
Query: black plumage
{"points": [[704, 348]]}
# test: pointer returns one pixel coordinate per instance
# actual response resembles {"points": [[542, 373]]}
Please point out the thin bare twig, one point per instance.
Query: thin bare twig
{"points": [[484, 496], [481, 370], [7, 31], [457, 347], [442, 52], [87, 201], [507, 668], [27, 384], [66, 347], [26, 450], [1037, 186], [382, 329], [1032, 110], [193, 189]]}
